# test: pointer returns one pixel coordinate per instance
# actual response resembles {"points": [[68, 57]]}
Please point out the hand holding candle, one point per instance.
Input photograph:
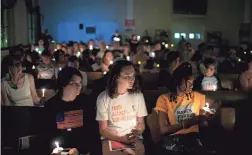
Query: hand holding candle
{"points": [[58, 149], [207, 109]]}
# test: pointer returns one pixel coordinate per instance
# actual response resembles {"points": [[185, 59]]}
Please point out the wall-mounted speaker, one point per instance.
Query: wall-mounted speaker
{"points": [[81, 26]]}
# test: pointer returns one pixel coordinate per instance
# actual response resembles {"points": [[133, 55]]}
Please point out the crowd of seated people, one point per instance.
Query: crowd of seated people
{"points": [[118, 116]]}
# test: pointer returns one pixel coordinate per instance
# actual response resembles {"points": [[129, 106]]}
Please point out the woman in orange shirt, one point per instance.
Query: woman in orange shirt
{"points": [[181, 111]]}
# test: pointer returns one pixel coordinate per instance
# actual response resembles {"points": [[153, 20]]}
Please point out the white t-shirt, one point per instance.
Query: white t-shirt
{"points": [[121, 112], [209, 83]]}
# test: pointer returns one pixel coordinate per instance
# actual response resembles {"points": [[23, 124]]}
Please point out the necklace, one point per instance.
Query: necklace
{"points": [[15, 85]]}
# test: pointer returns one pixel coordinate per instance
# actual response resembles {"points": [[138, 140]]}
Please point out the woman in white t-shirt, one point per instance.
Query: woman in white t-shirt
{"points": [[18, 88], [121, 110]]}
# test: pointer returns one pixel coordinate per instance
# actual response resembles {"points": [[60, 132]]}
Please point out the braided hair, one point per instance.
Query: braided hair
{"points": [[183, 72]]}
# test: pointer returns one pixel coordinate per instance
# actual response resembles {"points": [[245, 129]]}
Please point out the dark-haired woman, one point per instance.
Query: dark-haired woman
{"points": [[69, 115], [180, 112], [18, 88], [121, 110]]}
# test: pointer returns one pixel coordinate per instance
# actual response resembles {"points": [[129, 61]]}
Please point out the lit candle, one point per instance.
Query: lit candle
{"points": [[43, 92], [107, 47], [166, 45], [245, 52], [239, 60], [158, 65], [134, 122], [128, 58], [146, 41], [91, 47], [163, 43], [138, 38], [251, 52], [104, 73], [214, 87], [111, 62], [36, 49], [53, 59], [60, 69], [33, 67], [78, 54], [58, 149], [55, 49], [153, 54], [139, 62], [172, 45]]}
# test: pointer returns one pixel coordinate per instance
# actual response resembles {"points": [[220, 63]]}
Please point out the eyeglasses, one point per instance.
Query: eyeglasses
{"points": [[16, 65]]}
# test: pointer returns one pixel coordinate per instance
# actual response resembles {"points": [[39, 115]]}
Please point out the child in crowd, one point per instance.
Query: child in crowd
{"points": [[209, 80]]}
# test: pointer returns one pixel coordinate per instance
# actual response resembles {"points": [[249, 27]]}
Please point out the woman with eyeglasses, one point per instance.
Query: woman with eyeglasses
{"points": [[70, 116], [18, 88], [121, 110]]}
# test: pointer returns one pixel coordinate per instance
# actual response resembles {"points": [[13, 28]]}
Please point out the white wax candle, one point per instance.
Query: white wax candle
{"points": [[91, 47], [166, 45], [43, 92], [214, 87], [138, 38], [78, 54], [134, 122], [153, 54]]}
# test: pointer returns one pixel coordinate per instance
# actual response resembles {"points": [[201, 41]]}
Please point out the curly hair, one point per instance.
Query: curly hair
{"points": [[183, 72], [114, 74]]}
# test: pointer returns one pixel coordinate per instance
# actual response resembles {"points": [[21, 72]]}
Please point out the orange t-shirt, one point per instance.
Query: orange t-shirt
{"points": [[182, 110]]}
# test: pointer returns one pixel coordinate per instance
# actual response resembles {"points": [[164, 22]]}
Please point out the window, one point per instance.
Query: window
{"points": [[176, 35], [4, 29], [32, 27], [197, 36], [183, 34], [191, 35]]}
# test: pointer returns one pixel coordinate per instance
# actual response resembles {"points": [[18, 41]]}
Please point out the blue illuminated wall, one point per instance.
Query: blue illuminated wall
{"points": [[62, 18]]}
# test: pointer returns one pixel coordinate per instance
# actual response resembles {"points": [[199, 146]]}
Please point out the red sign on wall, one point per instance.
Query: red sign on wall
{"points": [[129, 22]]}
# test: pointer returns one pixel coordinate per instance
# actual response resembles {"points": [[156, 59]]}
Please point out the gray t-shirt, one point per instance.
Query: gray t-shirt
{"points": [[209, 83]]}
